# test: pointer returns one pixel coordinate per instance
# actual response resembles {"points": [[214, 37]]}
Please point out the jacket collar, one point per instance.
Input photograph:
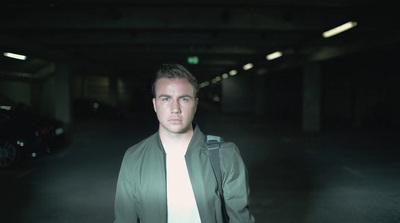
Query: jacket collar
{"points": [[198, 140]]}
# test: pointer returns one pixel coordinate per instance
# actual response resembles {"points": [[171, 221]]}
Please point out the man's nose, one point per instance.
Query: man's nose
{"points": [[175, 107]]}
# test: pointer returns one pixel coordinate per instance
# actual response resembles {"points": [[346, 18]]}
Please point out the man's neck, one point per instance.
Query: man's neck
{"points": [[176, 140]]}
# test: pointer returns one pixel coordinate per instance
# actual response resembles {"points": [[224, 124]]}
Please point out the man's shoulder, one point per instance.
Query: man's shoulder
{"points": [[229, 146], [146, 151], [143, 145], [229, 150], [230, 156]]}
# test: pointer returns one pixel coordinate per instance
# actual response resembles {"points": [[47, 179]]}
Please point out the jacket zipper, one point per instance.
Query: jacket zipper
{"points": [[165, 186]]}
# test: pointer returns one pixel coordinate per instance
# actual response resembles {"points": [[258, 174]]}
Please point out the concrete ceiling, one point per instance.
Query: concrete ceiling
{"points": [[129, 38]]}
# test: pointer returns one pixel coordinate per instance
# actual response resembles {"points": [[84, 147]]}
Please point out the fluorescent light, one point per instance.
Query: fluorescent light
{"points": [[204, 84], [216, 79], [225, 75], [15, 56], [5, 107], [248, 66], [274, 55], [233, 72], [339, 29]]}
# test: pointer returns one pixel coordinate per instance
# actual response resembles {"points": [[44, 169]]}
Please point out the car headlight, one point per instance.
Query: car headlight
{"points": [[59, 131], [20, 143]]}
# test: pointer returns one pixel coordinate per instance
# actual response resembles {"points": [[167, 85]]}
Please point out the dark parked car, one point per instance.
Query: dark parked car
{"points": [[92, 108], [26, 135]]}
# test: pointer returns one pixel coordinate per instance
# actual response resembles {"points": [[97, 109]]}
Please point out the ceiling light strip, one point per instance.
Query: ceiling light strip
{"points": [[274, 55], [339, 29], [15, 56]]}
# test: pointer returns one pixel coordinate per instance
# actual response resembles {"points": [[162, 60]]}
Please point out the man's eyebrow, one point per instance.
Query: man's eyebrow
{"points": [[185, 96], [164, 96], [169, 96]]}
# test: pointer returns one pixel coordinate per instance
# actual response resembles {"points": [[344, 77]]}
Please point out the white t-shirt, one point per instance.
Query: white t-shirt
{"points": [[182, 207]]}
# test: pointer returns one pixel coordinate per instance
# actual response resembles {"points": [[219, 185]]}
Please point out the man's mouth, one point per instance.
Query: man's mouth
{"points": [[175, 120]]}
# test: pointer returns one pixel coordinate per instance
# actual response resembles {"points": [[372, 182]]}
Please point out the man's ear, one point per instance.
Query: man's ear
{"points": [[197, 102], [154, 105]]}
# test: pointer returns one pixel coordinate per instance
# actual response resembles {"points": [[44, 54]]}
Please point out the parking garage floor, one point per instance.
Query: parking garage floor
{"points": [[334, 176]]}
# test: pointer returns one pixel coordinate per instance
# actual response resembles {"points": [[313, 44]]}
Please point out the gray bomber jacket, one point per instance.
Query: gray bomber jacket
{"points": [[141, 194]]}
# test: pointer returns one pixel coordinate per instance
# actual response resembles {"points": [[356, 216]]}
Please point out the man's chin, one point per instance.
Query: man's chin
{"points": [[179, 129]]}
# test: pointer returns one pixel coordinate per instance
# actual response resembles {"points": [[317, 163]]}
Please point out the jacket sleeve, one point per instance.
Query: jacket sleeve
{"points": [[124, 207], [235, 185]]}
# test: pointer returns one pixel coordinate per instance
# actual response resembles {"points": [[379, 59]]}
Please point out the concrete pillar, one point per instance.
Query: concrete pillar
{"points": [[36, 98], [62, 98], [39, 101], [312, 98], [113, 90]]}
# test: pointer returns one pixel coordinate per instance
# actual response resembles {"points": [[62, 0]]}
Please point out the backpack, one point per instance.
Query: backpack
{"points": [[213, 145]]}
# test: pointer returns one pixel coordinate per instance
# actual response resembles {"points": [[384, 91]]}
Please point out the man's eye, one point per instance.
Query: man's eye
{"points": [[185, 99], [164, 99]]}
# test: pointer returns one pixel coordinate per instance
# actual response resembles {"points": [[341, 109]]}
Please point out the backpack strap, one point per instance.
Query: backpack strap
{"points": [[213, 145]]}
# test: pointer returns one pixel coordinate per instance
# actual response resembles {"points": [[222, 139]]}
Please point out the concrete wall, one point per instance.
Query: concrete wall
{"points": [[89, 86], [353, 92], [128, 93], [238, 95], [283, 94], [17, 91], [362, 90]]}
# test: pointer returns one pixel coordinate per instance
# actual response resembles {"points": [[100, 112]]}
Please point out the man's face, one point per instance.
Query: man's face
{"points": [[175, 104]]}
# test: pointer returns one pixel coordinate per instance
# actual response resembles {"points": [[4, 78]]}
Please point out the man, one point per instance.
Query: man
{"points": [[168, 177]]}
